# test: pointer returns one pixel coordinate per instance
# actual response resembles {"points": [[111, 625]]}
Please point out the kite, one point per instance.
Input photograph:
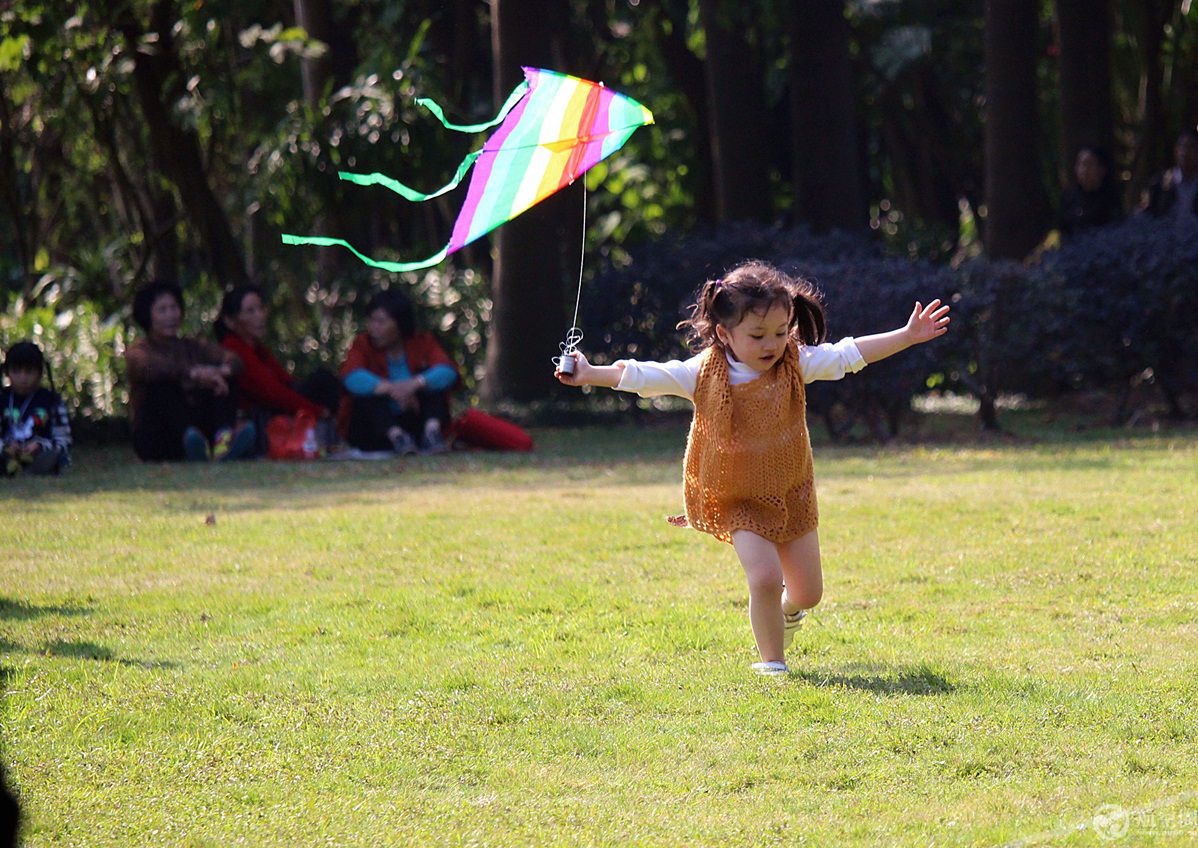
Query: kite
{"points": [[552, 128]]}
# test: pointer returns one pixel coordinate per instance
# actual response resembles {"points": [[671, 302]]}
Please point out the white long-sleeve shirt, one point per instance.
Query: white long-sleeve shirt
{"points": [[678, 376]]}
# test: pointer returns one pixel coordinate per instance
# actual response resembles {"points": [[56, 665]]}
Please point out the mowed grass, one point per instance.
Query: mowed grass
{"points": [[518, 650]]}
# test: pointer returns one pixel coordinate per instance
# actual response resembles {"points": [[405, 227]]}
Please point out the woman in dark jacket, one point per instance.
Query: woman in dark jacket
{"points": [[182, 390], [1093, 200]]}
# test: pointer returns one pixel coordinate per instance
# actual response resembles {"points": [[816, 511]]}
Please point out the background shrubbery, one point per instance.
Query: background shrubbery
{"points": [[1106, 312]]}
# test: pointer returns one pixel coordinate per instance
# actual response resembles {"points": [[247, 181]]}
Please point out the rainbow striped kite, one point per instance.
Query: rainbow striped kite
{"points": [[553, 128]]}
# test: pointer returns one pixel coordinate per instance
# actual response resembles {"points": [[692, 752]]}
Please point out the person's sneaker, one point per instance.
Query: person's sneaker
{"points": [[403, 444], [195, 446], [229, 445], [432, 443], [790, 626], [773, 668]]}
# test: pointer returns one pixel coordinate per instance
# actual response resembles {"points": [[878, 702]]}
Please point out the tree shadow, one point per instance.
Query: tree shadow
{"points": [[92, 651], [13, 610], [882, 679]]}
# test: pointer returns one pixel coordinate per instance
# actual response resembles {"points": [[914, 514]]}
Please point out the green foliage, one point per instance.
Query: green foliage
{"points": [[84, 350]]}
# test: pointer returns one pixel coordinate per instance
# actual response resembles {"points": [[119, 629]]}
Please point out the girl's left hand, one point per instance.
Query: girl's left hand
{"points": [[927, 322]]}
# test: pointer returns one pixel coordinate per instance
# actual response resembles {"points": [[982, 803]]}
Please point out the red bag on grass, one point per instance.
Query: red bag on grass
{"points": [[292, 437], [478, 429]]}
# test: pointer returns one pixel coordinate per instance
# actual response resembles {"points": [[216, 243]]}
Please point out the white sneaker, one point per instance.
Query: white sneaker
{"points": [[773, 668], [403, 444], [790, 626]]}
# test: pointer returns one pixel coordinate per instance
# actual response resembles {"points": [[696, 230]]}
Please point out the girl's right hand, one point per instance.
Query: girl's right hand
{"points": [[581, 369]]}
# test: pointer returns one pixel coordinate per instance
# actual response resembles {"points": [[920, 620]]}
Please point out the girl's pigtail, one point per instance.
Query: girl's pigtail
{"points": [[810, 324], [700, 326]]}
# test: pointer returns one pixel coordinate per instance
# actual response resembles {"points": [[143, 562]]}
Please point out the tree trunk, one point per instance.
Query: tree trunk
{"points": [[736, 100], [1152, 148], [1016, 199], [686, 74], [315, 17], [925, 168], [528, 313], [148, 210], [158, 80], [24, 222], [1086, 108], [827, 167]]}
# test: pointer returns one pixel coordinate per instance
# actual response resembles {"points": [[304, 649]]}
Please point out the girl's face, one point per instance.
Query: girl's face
{"points": [[250, 321], [1089, 171], [760, 339], [24, 379], [165, 317], [382, 329]]}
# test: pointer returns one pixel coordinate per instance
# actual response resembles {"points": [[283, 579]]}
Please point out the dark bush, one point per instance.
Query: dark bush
{"points": [[1124, 302], [1108, 310], [996, 341], [863, 296]]}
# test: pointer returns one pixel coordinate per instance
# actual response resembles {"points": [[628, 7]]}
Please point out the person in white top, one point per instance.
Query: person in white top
{"points": [[757, 323], [1174, 193]]}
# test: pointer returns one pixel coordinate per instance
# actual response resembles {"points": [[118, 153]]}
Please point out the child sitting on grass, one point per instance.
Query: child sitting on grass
{"points": [[34, 429], [748, 468]]}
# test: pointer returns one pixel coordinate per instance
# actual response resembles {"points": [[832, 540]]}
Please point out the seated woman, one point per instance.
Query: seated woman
{"points": [[182, 398], [265, 385], [398, 380]]}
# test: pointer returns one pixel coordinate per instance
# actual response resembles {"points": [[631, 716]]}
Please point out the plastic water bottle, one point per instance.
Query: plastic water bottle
{"points": [[310, 448]]}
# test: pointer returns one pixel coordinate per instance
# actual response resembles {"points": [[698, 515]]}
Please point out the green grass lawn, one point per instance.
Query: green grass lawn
{"points": [[518, 650]]}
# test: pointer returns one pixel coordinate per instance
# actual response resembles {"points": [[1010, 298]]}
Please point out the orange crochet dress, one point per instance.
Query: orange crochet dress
{"points": [[748, 456]]}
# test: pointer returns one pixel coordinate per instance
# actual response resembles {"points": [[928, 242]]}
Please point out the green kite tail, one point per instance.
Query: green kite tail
{"points": [[409, 193], [512, 99], [396, 267], [406, 191]]}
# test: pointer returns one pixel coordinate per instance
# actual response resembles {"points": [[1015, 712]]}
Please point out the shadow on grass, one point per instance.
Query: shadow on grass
{"points": [[601, 458], [23, 611], [590, 457], [882, 680], [92, 651]]}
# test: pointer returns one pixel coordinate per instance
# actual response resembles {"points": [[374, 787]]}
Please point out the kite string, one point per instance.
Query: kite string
{"points": [[583, 256], [574, 334]]}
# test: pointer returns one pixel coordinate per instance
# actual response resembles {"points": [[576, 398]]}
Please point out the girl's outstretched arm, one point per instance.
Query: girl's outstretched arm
{"points": [[586, 374], [925, 324]]}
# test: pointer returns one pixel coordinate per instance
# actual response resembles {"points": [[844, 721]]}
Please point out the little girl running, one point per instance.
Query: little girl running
{"points": [[748, 470]]}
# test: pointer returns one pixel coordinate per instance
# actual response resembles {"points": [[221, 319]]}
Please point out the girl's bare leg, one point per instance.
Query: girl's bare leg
{"points": [[763, 569], [804, 575]]}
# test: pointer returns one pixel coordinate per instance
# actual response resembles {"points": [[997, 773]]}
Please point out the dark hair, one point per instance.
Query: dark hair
{"points": [[147, 295], [24, 355], [1189, 131], [230, 306], [1104, 158], [398, 306], [754, 286]]}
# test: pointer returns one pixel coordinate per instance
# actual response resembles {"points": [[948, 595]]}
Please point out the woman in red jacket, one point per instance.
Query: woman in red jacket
{"points": [[397, 381], [267, 387]]}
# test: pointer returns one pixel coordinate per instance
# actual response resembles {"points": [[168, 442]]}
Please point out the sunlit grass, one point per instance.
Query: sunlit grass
{"points": [[517, 650]]}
